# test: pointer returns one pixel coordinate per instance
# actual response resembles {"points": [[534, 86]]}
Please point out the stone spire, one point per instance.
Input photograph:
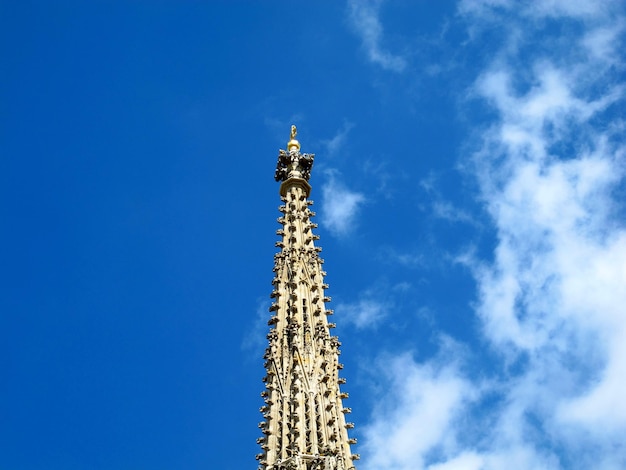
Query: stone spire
{"points": [[304, 426]]}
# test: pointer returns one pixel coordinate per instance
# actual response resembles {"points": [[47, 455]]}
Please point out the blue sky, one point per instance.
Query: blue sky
{"points": [[469, 185]]}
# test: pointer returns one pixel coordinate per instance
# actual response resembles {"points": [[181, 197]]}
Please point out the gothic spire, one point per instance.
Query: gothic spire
{"points": [[304, 426]]}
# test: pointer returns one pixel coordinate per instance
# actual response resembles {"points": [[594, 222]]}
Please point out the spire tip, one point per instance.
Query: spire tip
{"points": [[293, 145]]}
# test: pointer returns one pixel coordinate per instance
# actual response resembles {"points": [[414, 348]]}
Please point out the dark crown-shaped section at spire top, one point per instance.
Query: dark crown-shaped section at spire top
{"points": [[304, 425], [292, 163]]}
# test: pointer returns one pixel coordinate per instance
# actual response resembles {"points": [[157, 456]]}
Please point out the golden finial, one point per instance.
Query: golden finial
{"points": [[293, 144]]}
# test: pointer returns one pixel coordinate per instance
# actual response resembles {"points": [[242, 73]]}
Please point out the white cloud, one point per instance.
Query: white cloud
{"points": [[372, 306], [365, 21], [579, 9], [569, 8], [600, 42], [417, 412], [364, 313], [552, 300], [555, 294], [339, 205], [465, 461]]}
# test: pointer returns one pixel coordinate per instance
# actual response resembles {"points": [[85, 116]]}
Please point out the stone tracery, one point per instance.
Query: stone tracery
{"points": [[304, 423]]}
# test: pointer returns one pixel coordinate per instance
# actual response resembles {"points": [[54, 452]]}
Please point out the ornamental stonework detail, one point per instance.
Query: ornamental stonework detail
{"points": [[304, 423]]}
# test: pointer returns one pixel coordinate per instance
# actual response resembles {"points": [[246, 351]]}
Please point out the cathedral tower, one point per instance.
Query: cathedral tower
{"points": [[304, 425]]}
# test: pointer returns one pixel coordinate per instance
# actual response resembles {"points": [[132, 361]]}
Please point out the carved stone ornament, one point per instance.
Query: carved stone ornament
{"points": [[293, 165]]}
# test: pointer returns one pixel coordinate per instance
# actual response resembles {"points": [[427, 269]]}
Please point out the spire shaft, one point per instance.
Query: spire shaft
{"points": [[304, 423]]}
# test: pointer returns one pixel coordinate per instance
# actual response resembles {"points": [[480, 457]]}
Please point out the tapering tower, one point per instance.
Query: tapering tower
{"points": [[305, 426]]}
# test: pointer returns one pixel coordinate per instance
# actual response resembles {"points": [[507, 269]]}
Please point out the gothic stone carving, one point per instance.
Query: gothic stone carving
{"points": [[304, 423], [293, 165]]}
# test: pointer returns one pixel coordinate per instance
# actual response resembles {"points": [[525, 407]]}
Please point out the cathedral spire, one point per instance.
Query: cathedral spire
{"points": [[304, 426]]}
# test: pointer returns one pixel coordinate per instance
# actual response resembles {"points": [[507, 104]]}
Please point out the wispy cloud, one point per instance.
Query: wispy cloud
{"points": [[372, 307], [390, 254], [364, 313], [335, 143], [448, 211], [439, 206], [488, 9], [365, 22], [551, 303], [339, 205], [254, 337]]}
